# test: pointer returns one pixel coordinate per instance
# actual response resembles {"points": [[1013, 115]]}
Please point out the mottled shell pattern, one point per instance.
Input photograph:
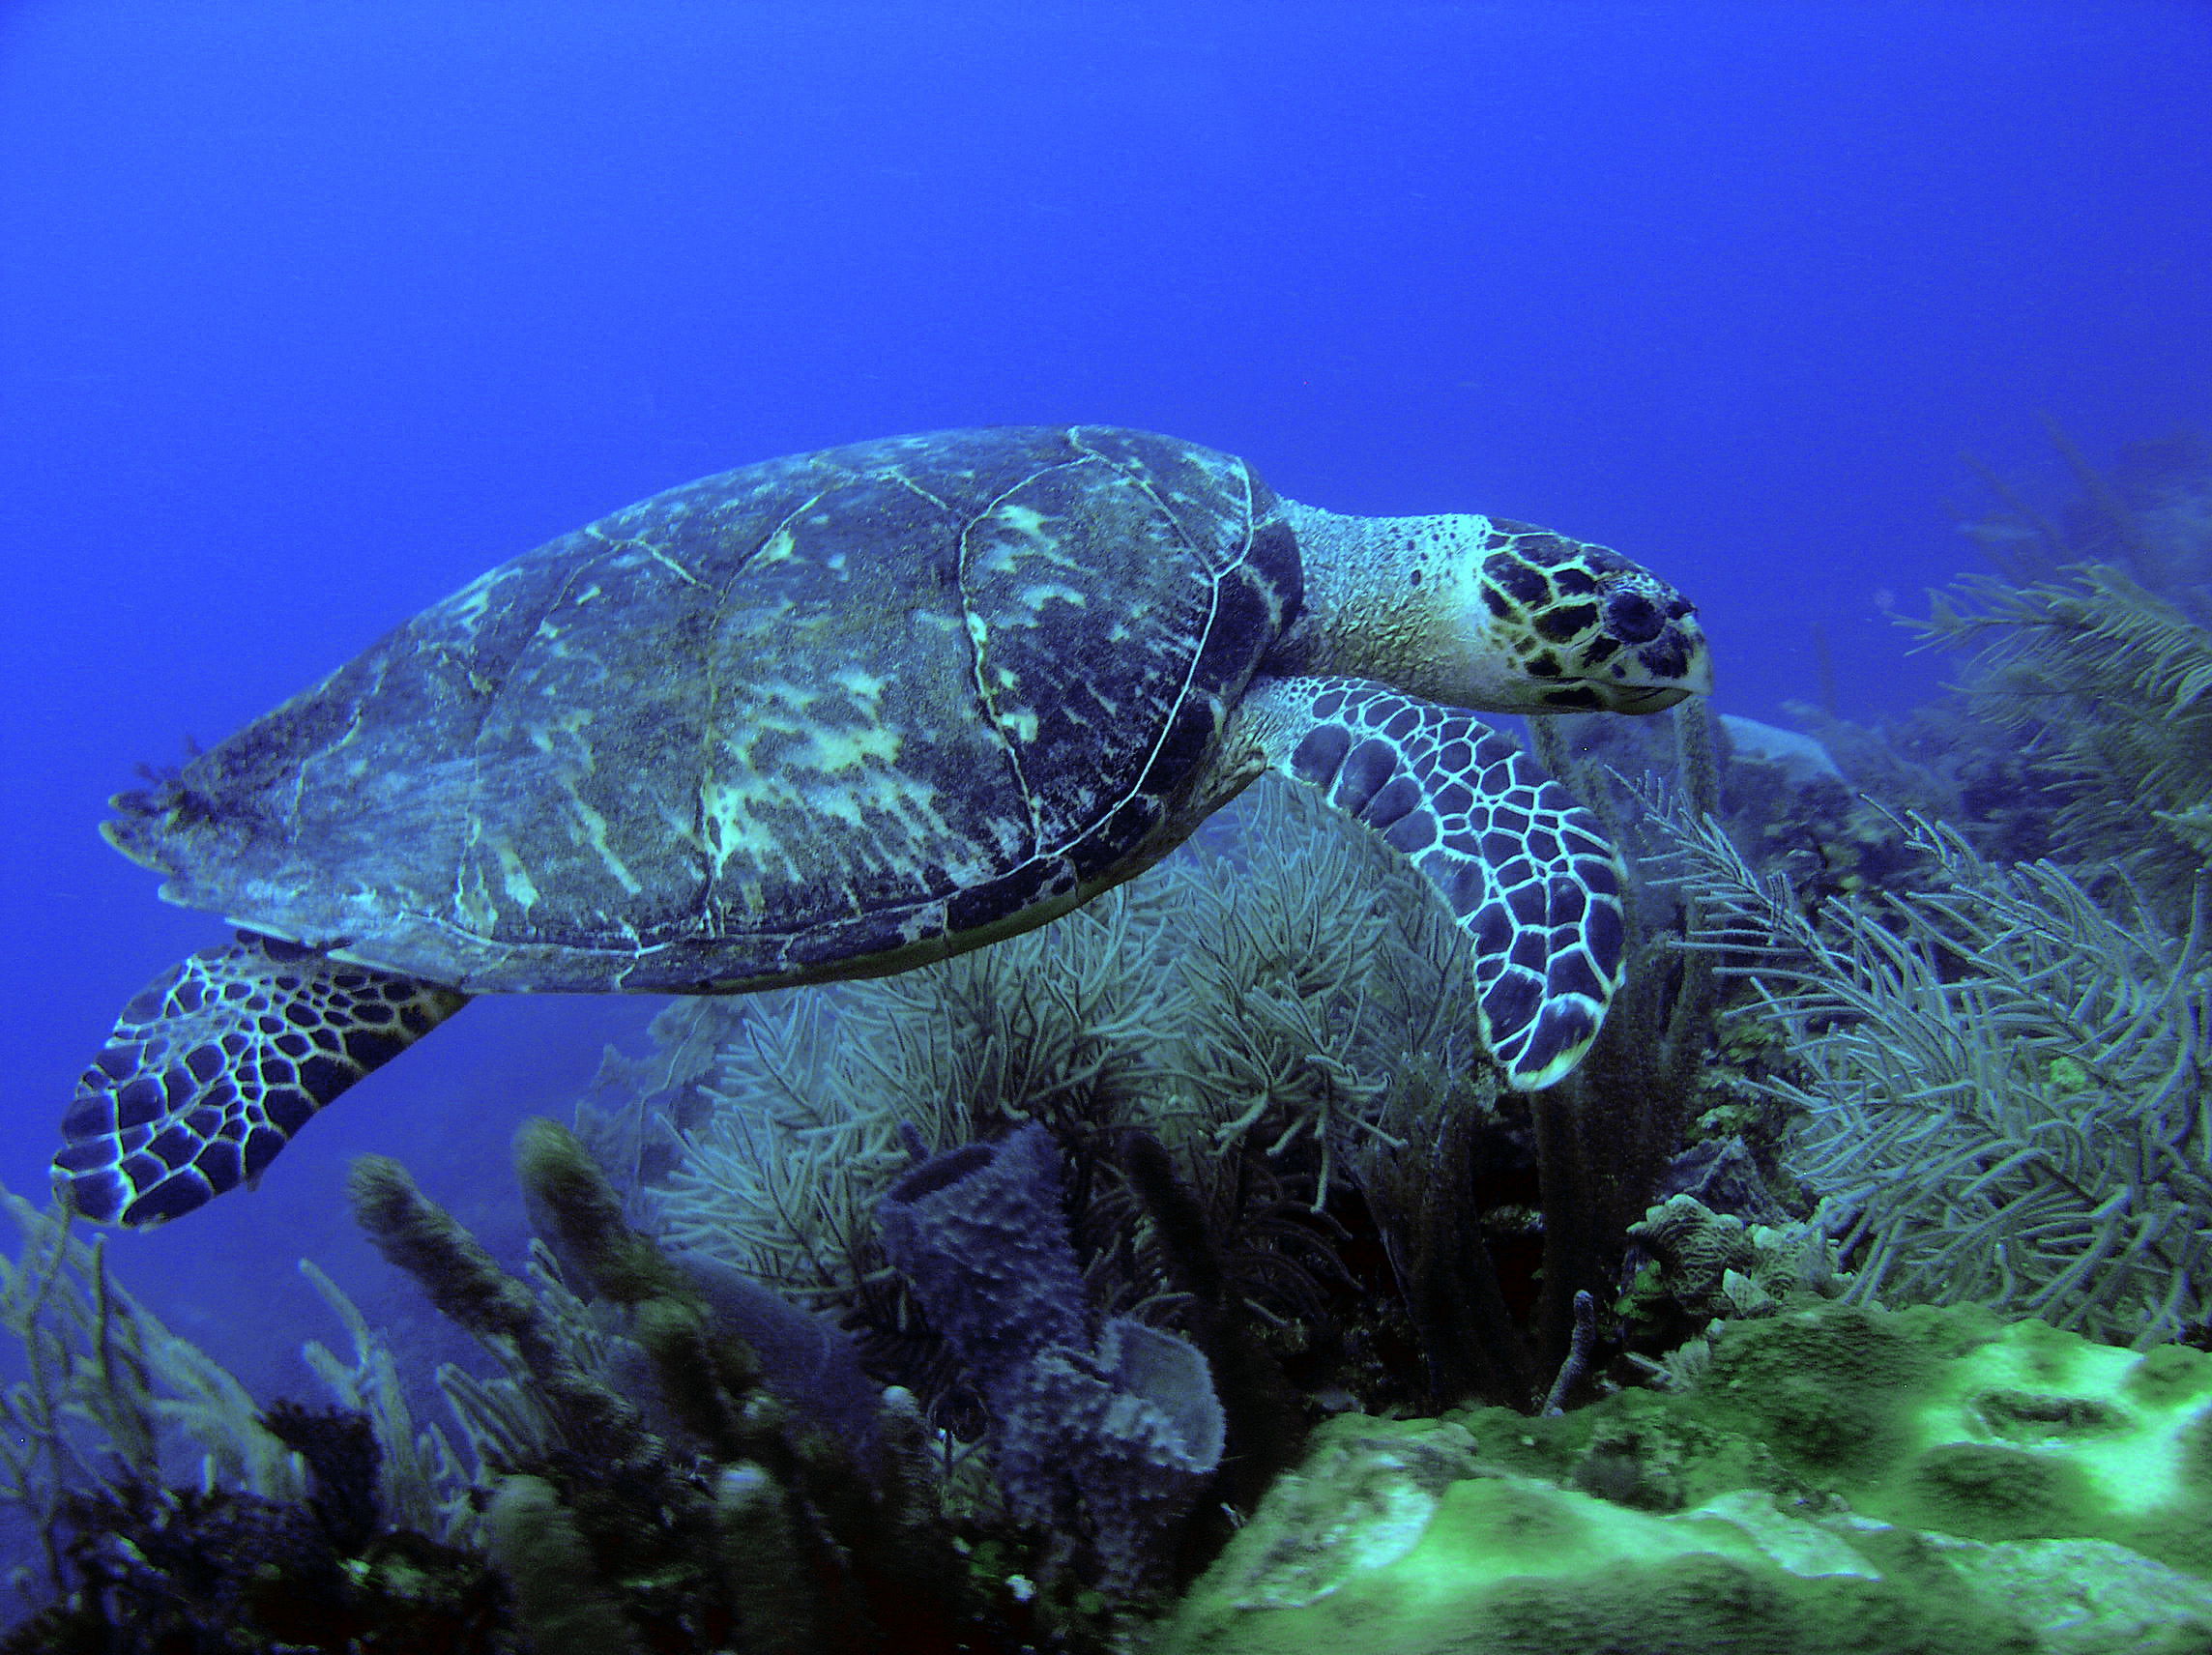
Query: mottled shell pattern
{"points": [[803, 720]]}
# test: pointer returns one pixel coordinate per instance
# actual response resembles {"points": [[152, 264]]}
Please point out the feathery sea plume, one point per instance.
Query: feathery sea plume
{"points": [[2005, 1081], [2110, 685]]}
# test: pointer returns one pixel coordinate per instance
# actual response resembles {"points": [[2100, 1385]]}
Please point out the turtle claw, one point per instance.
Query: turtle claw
{"points": [[213, 1068]]}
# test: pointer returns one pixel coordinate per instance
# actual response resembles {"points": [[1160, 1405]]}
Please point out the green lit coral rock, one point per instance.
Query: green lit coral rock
{"points": [[1838, 1480]]}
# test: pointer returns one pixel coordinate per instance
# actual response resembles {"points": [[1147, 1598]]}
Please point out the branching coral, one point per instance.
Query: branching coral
{"points": [[2007, 1083], [1281, 1012], [1313, 967], [2081, 718], [812, 1091], [2150, 513], [421, 1483]]}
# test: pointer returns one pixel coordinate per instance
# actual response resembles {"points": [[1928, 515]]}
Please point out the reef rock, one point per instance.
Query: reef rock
{"points": [[1840, 1480]]}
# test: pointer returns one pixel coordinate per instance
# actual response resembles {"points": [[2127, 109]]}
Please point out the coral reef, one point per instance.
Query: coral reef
{"points": [[1706, 1263], [2149, 513], [1284, 1058], [2109, 684], [1303, 1061], [170, 1571], [987, 1307], [110, 1395], [2077, 722], [600, 1515], [1837, 1480]]}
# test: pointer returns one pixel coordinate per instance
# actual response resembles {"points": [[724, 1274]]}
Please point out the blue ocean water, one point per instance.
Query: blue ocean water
{"points": [[309, 313]]}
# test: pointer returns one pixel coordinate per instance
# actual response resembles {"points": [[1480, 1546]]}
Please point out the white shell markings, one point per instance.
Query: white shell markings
{"points": [[1034, 597], [595, 827], [516, 879], [863, 685]]}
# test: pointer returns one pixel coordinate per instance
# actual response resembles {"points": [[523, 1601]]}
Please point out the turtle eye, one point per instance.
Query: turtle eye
{"points": [[1633, 618]]}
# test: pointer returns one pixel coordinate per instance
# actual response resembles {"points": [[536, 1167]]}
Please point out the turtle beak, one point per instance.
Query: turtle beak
{"points": [[1649, 698]]}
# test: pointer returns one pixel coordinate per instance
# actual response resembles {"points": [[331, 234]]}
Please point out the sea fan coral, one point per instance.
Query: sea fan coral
{"points": [[2006, 1082], [2111, 686], [1276, 1033]]}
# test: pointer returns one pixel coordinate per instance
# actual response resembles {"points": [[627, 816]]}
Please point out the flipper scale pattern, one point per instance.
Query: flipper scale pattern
{"points": [[214, 1066], [1525, 871]]}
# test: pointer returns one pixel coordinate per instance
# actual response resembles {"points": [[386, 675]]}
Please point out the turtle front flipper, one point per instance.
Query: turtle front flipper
{"points": [[1534, 885], [215, 1065]]}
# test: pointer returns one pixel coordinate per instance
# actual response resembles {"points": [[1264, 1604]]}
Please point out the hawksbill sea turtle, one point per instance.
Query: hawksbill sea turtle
{"points": [[844, 714]]}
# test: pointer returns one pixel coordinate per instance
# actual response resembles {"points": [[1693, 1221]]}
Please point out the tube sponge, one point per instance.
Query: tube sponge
{"points": [[1117, 1443], [571, 1199], [981, 1233], [420, 1238], [1113, 1442]]}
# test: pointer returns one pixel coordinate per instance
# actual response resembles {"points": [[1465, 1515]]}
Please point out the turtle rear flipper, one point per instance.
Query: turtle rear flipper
{"points": [[215, 1065], [1531, 881]]}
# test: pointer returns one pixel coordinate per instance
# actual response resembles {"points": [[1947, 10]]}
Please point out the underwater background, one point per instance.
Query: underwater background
{"points": [[310, 314]]}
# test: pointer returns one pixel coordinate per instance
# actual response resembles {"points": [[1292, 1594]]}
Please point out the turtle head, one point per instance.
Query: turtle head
{"points": [[1489, 614], [1547, 624]]}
